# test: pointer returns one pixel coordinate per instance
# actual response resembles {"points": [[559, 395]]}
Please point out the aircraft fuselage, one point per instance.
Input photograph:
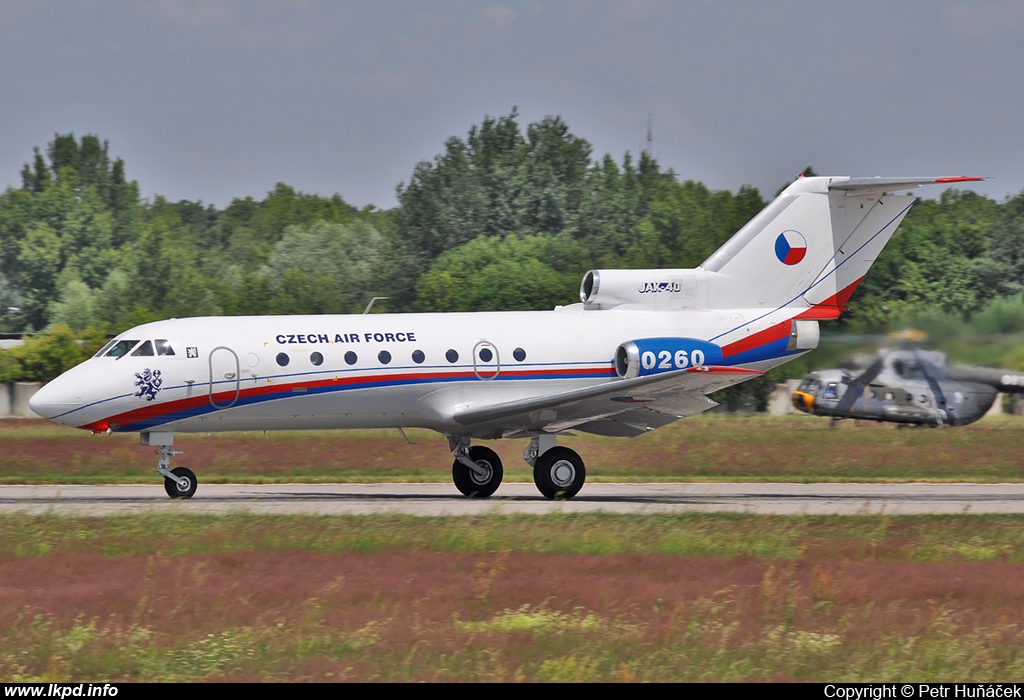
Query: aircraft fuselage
{"points": [[377, 370]]}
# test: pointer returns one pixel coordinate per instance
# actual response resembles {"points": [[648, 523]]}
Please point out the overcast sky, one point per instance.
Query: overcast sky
{"points": [[221, 99]]}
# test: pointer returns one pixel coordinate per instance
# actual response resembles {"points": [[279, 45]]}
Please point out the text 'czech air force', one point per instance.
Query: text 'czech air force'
{"points": [[314, 338]]}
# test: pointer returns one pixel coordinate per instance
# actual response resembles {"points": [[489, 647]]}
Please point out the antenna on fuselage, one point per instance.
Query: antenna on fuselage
{"points": [[650, 134], [370, 305]]}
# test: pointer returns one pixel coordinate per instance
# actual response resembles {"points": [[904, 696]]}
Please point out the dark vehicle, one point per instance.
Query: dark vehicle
{"points": [[916, 387]]}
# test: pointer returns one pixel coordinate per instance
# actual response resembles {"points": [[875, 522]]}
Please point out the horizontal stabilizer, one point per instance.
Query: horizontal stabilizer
{"points": [[892, 184]]}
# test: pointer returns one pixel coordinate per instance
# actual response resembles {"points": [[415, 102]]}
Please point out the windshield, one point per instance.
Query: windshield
{"points": [[809, 385], [163, 347], [103, 350], [145, 349], [121, 348]]}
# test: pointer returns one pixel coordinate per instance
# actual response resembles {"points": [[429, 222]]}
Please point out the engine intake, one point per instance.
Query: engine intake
{"points": [[647, 356], [653, 288]]}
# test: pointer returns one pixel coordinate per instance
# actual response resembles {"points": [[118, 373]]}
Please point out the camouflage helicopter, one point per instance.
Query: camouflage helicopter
{"points": [[908, 387]]}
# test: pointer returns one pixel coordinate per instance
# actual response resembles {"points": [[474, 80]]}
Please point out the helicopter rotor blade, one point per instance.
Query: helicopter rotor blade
{"points": [[856, 386], [933, 383]]}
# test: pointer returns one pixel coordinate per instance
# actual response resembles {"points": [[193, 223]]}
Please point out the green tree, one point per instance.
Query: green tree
{"points": [[494, 274], [941, 257], [39, 261], [17, 216], [77, 305], [499, 181], [47, 355], [334, 267], [1001, 267]]}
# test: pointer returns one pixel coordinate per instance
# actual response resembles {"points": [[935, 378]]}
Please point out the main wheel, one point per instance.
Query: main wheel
{"points": [[475, 485], [559, 473], [174, 490]]}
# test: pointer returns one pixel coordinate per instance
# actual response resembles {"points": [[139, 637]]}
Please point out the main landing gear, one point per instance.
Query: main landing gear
{"points": [[558, 472], [179, 482]]}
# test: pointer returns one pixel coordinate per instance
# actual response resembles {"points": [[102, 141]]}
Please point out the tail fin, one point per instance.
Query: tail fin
{"points": [[812, 245]]}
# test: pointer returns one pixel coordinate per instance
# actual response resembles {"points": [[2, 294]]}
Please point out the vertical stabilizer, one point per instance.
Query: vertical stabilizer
{"points": [[812, 245]]}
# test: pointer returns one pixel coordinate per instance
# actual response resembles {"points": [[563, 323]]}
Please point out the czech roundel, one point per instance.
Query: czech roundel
{"points": [[790, 247]]}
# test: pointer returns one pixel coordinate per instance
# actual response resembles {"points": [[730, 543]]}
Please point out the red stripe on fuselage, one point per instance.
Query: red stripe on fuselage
{"points": [[221, 398], [755, 340]]}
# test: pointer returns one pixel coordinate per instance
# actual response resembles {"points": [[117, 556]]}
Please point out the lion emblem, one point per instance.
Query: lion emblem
{"points": [[149, 383]]}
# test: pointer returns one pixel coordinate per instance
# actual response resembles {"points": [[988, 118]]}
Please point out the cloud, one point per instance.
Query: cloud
{"points": [[494, 16], [979, 20], [387, 81], [636, 10], [410, 44], [287, 38], [194, 13]]}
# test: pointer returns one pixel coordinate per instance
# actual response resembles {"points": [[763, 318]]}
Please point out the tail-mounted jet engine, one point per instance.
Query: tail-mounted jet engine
{"points": [[640, 358], [659, 289]]}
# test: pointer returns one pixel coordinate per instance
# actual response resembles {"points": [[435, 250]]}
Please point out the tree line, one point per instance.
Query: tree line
{"points": [[505, 217]]}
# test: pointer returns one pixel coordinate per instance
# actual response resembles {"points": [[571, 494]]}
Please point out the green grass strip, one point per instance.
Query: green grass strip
{"points": [[907, 538]]}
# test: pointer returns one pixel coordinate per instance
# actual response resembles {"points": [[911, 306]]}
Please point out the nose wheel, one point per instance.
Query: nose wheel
{"points": [[179, 482], [185, 484]]}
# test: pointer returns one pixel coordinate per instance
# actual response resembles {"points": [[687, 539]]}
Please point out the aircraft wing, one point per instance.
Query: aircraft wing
{"points": [[624, 408]]}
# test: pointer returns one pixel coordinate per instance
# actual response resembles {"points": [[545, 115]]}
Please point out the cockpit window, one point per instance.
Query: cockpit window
{"points": [[121, 348], [163, 347], [144, 350], [809, 385], [103, 350]]}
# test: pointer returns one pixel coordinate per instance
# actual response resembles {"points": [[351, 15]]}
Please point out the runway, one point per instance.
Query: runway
{"points": [[443, 499]]}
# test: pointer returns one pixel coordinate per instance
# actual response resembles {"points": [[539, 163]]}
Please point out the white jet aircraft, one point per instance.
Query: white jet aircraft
{"points": [[642, 349]]}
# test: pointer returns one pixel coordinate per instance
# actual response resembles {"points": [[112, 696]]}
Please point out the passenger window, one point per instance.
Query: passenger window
{"points": [[384, 356], [418, 357], [316, 358], [486, 355], [452, 356], [146, 349], [350, 358], [283, 359], [163, 347], [122, 348], [519, 354]]}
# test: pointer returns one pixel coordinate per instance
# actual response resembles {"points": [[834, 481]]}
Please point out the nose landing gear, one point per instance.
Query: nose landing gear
{"points": [[182, 483], [179, 482]]}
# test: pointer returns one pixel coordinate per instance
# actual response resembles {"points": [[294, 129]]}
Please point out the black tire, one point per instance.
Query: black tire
{"points": [[471, 484], [559, 473], [175, 491]]}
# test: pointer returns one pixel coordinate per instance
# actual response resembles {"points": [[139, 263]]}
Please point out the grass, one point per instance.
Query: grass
{"points": [[703, 448], [818, 606], [787, 625], [938, 538], [703, 644]]}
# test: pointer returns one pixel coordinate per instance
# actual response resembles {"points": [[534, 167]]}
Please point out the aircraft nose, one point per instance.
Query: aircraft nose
{"points": [[54, 398], [803, 401]]}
